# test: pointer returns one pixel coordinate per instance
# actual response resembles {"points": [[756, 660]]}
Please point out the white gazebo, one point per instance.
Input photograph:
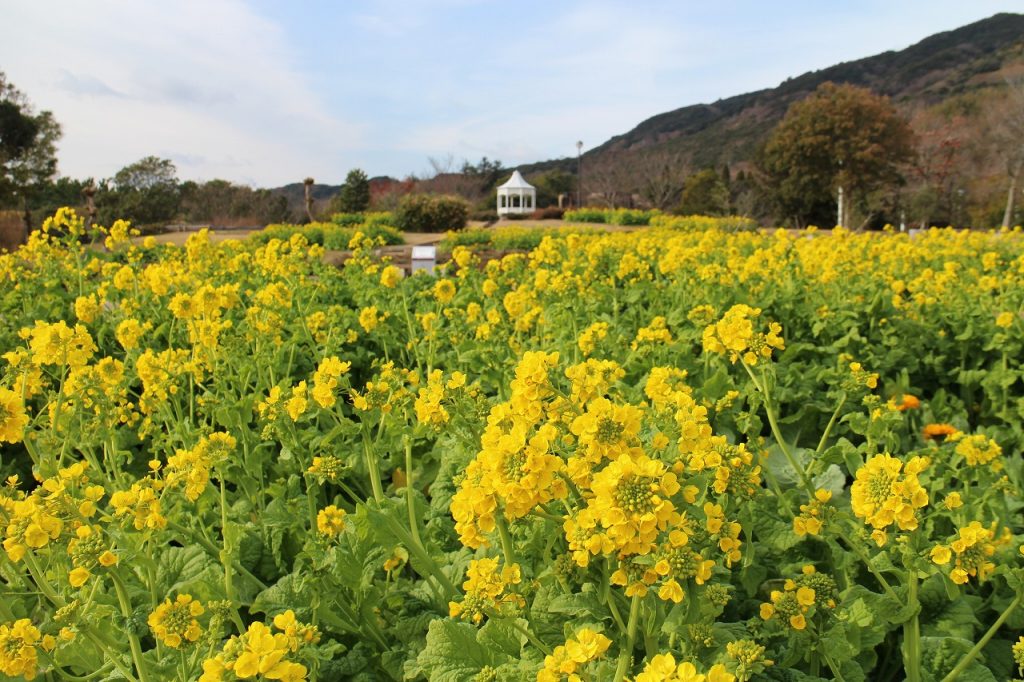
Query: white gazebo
{"points": [[516, 196]]}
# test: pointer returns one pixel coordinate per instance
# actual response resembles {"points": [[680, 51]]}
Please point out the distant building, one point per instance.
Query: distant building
{"points": [[516, 196]]}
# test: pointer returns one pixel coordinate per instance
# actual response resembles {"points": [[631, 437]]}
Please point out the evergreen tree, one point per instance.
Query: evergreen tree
{"points": [[354, 196]]}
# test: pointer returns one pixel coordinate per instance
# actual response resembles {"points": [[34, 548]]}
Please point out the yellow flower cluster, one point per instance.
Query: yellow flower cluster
{"points": [[488, 589], [13, 418], [654, 333], [142, 504], [979, 449], [58, 506], [605, 430], [18, 655], [592, 379], [734, 335], [563, 663], [191, 468], [970, 552], [326, 380], [663, 668], [886, 492], [330, 521], [58, 344], [589, 337], [429, 399], [813, 515], [632, 502], [663, 384], [262, 652], [800, 599], [444, 291], [386, 390], [174, 623], [369, 318], [513, 473]]}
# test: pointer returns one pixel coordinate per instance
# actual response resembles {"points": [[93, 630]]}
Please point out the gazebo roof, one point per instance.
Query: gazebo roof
{"points": [[516, 182]]}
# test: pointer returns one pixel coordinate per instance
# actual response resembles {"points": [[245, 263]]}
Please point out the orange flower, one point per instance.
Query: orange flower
{"points": [[909, 402], [936, 431]]}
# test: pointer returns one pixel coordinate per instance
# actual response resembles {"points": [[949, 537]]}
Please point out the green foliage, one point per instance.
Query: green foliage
{"points": [[704, 193], [329, 235], [611, 216], [552, 183], [354, 196], [840, 136], [28, 146], [219, 202], [431, 213], [700, 223], [508, 238], [145, 192]]}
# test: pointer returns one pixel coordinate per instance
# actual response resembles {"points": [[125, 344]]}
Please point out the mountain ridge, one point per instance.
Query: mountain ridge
{"points": [[926, 73]]}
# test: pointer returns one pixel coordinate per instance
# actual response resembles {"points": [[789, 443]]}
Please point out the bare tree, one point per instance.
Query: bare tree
{"points": [[659, 176], [1009, 134], [606, 178]]}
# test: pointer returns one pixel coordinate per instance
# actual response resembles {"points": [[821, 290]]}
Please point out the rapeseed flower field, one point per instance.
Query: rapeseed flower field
{"points": [[681, 453]]}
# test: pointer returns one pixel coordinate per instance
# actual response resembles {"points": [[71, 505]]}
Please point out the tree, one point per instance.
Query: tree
{"points": [[550, 185], [659, 176], [841, 140], [354, 196], [146, 192], [1010, 137], [704, 194], [28, 148]]}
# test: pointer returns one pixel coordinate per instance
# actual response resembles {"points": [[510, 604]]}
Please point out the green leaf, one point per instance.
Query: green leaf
{"points": [[290, 592], [500, 634], [185, 570], [453, 653]]}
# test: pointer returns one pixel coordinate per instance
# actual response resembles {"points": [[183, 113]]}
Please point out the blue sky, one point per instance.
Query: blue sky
{"points": [[266, 93]]}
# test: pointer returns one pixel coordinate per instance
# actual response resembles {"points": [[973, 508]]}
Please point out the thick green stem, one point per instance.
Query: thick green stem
{"points": [[626, 655], [973, 653], [371, 466], [414, 527], [862, 555], [214, 552], [831, 423], [832, 666], [507, 548], [225, 560], [912, 632], [133, 639], [770, 412]]}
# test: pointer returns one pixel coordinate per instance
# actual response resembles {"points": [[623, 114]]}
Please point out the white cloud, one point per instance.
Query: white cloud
{"points": [[210, 84]]}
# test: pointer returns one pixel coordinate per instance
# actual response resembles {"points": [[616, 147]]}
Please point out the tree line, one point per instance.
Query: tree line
{"points": [[842, 155]]}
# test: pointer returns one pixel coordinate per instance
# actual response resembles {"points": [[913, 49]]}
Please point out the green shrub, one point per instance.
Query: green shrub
{"points": [[612, 216], [632, 216], [347, 219], [431, 213], [699, 223], [328, 235], [586, 215], [485, 216], [548, 213], [509, 238]]}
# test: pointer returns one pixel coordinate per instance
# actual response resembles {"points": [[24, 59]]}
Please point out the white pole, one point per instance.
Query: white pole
{"points": [[839, 219]]}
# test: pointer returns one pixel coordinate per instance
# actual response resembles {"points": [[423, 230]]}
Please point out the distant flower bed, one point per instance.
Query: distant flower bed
{"points": [[331, 235], [611, 216], [510, 238], [702, 223]]}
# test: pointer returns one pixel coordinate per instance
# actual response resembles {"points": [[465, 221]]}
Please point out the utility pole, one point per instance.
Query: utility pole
{"points": [[579, 174]]}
